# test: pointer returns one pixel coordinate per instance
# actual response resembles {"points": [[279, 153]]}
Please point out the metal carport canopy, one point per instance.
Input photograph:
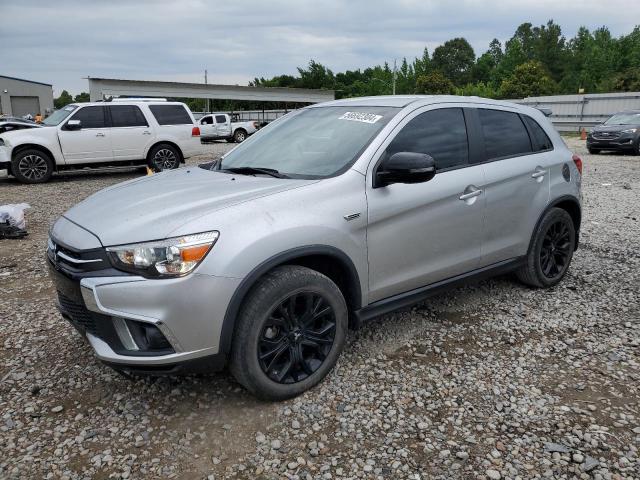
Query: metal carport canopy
{"points": [[101, 87]]}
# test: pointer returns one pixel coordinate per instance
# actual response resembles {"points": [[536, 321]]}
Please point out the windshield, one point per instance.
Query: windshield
{"points": [[624, 119], [312, 143], [59, 115]]}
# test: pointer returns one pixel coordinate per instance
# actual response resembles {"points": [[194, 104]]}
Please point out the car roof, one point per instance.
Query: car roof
{"points": [[132, 102], [402, 101]]}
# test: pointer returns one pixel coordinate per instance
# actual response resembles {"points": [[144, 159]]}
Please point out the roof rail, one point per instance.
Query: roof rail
{"points": [[137, 99]]}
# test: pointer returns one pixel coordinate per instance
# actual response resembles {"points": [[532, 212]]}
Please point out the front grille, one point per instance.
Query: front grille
{"points": [[77, 261], [606, 135], [78, 314]]}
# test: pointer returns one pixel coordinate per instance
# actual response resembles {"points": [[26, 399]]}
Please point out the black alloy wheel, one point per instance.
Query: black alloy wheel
{"points": [[296, 337], [556, 250]]}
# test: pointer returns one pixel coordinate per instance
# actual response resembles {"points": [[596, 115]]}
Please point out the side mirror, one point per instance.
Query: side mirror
{"points": [[73, 125], [405, 167]]}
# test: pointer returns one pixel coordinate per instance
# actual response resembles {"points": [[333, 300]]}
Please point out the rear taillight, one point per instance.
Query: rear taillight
{"points": [[578, 161], [195, 132]]}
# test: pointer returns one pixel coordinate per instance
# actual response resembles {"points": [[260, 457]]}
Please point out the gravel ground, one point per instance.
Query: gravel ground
{"points": [[493, 380]]}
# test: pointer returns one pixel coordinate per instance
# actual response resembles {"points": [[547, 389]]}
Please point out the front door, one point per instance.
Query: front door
{"points": [[207, 127], [90, 144], [223, 126], [422, 233]]}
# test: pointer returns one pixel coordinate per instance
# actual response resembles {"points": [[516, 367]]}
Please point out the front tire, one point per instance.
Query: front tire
{"points": [[289, 333], [32, 166], [551, 250], [594, 151], [164, 157]]}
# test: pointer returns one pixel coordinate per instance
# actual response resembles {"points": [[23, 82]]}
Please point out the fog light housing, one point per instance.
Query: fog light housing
{"points": [[142, 337]]}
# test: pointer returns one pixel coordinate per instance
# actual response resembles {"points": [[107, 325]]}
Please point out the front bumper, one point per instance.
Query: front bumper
{"points": [[188, 311], [624, 142]]}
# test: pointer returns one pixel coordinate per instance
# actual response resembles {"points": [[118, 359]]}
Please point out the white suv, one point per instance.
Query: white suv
{"points": [[157, 133]]}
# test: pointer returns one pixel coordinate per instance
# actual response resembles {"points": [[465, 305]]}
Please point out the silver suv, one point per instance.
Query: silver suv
{"points": [[330, 216]]}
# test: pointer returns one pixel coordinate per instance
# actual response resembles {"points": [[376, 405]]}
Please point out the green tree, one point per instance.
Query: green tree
{"points": [[64, 99], [530, 79], [81, 97], [454, 59], [627, 81], [434, 83]]}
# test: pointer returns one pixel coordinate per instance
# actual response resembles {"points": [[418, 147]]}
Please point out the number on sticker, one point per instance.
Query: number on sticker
{"points": [[361, 117]]}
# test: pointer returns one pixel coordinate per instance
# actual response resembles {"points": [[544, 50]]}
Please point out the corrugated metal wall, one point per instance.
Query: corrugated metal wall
{"points": [[569, 113]]}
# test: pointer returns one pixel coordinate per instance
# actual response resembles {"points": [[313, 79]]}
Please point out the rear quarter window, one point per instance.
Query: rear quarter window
{"points": [[539, 138], [171, 114]]}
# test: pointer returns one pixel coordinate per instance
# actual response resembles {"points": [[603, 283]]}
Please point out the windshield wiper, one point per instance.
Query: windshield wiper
{"points": [[253, 170]]}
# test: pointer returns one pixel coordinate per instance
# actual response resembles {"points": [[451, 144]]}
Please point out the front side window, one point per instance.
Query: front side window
{"points": [[170, 114], [221, 119], [206, 121], [127, 116], [440, 133], [504, 134], [316, 142], [539, 138], [91, 117]]}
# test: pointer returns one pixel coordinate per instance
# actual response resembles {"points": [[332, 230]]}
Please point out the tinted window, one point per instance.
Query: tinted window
{"points": [[91, 117], [207, 121], [440, 133], [170, 114], [127, 116], [504, 133], [539, 138], [221, 119]]}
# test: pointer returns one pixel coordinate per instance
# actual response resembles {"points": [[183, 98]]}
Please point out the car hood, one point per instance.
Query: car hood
{"points": [[613, 128], [151, 208]]}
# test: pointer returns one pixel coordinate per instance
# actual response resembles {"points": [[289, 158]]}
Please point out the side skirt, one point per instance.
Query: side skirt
{"points": [[403, 300]]}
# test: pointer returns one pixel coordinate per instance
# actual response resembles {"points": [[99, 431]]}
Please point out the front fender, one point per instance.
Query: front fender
{"points": [[46, 138]]}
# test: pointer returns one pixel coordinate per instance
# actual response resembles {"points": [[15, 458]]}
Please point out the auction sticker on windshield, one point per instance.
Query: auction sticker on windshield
{"points": [[361, 117]]}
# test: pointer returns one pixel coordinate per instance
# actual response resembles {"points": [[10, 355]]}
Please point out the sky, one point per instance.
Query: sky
{"points": [[63, 41]]}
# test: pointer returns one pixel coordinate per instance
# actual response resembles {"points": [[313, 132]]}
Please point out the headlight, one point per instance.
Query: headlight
{"points": [[630, 130], [172, 257]]}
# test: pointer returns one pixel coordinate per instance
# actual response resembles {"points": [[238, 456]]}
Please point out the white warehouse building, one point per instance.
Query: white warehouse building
{"points": [[20, 97]]}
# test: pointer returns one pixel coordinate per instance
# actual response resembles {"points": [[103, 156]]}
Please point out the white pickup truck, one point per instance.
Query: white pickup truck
{"points": [[218, 126]]}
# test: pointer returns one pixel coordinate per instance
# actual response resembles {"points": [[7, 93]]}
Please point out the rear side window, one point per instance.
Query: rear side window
{"points": [[127, 116], [539, 138], [221, 119], [170, 114], [91, 117], [440, 133], [504, 134]]}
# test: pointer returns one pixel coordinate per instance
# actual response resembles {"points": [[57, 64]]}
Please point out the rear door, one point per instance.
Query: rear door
{"points": [[130, 132], [223, 126], [517, 183], [90, 144], [421, 233]]}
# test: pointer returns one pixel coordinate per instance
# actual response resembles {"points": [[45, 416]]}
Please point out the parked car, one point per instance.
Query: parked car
{"points": [[156, 133], [326, 218], [218, 126], [620, 132], [8, 124]]}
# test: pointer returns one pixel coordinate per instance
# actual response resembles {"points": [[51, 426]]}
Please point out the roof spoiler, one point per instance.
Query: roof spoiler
{"points": [[545, 111]]}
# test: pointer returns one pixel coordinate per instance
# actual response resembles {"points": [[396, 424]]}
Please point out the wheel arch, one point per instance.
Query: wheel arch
{"points": [[166, 142], [330, 261], [32, 146], [571, 205]]}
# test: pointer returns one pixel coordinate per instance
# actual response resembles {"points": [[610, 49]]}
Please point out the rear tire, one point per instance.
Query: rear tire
{"points": [[289, 333], [239, 136], [32, 166], [164, 157], [551, 250]]}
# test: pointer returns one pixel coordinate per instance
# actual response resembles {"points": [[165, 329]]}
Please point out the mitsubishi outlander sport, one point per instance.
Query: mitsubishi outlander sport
{"points": [[328, 217]]}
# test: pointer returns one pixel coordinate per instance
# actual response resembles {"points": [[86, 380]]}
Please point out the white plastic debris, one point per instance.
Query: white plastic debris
{"points": [[13, 214]]}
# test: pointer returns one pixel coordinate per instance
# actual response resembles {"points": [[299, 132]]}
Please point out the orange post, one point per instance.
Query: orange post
{"points": [[583, 133]]}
